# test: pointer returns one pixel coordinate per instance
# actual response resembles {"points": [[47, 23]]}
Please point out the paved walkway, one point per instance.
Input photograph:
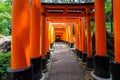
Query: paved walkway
{"points": [[64, 65]]}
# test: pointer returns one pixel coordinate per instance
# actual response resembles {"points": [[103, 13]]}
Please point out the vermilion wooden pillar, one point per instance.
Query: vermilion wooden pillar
{"points": [[44, 60], [89, 42], [71, 36], [51, 35], [67, 34], [77, 40], [84, 47], [20, 56], [101, 60], [116, 64], [80, 38], [36, 58], [76, 36], [47, 46]]}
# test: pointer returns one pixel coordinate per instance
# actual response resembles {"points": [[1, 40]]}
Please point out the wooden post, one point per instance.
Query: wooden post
{"points": [[80, 39], [101, 60], [47, 46], [84, 47], [36, 58], [44, 60], [20, 56], [71, 36], [76, 35], [89, 42], [116, 64], [67, 34]]}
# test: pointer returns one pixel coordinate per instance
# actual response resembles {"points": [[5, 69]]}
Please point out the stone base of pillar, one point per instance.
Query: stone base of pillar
{"points": [[101, 68], [23, 74], [89, 63], [115, 71], [37, 68], [43, 77], [84, 57], [72, 49], [44, 65]]}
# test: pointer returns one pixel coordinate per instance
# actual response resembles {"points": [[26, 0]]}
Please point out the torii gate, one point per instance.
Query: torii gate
{"points": [[27, 46]]}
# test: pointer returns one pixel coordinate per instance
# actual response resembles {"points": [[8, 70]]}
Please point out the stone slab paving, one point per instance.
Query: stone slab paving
{"points": [[64, 65]]}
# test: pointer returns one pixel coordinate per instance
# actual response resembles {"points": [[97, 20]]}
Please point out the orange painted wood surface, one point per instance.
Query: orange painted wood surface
{"points": [[35, 29], [20, 57], [89, 37], [71, 33], [43, 36], [100, 30], [84, 49], [80, 35], [46, 36], [76, 36], [116, 12]]}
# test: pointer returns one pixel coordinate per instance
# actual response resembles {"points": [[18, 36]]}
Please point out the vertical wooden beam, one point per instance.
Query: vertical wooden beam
{"points": [[84, 47], [80, 38], [47, 46], [44, 60], [71, 35], [100, 30], [89, 41], [36, 58], [116, 64], [101, 60], [76, 36], [89, 38], [35, 29], [20, 56]]}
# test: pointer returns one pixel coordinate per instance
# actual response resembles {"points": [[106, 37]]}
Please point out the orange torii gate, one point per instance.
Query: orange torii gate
{"points": [[60, 31], [64, 28], [70, 21], [24, 46]]}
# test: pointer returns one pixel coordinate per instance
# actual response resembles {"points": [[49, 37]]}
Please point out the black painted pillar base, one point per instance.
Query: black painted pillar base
{"points": [[79, 54], [37, 68], [115, 71], [71, 45], [101, 68], [44, 65], [51, 45], [23, 74], [84, 57], [48, 56], [89, 65]]}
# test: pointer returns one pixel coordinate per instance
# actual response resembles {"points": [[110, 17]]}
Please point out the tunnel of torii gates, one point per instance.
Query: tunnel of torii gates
{"points": [[35, 26]]}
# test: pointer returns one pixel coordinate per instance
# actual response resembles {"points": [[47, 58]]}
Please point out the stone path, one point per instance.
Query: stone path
{"points": [[64, 65]]}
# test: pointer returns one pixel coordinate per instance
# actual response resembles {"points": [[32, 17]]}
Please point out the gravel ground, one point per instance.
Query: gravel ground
{"points": [[64, 65]]}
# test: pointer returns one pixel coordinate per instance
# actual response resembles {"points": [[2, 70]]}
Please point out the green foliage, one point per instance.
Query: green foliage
{"points": [[4, 64], [108, 25], [5, 16]]}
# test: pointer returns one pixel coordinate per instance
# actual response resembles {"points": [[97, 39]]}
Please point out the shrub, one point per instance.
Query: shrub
{"points": [[4, 64]]}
